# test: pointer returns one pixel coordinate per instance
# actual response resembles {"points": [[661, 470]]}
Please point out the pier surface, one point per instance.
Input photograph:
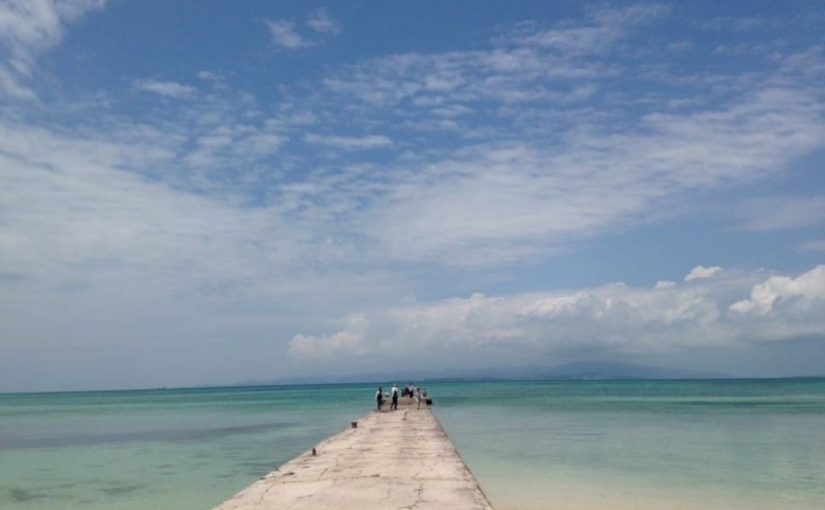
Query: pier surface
{"points": [[393, 460]]}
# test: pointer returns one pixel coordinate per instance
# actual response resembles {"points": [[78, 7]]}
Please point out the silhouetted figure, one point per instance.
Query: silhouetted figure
{"points": [[379, 398], [394, 393]]}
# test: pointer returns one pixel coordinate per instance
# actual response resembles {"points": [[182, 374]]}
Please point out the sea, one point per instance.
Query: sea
{"points": [[567, 445]]}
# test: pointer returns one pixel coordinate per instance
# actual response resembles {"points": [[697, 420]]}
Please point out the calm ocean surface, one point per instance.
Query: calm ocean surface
{"points": [[626, 444]]}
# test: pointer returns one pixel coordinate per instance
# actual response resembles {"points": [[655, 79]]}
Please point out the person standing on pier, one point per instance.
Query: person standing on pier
{"points": [[394, 393], [379, 398]]}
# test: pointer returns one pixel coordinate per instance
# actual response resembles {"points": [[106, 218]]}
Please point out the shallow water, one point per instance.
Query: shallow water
{"points": [[628, 444], [181, 449], [643, 444]]}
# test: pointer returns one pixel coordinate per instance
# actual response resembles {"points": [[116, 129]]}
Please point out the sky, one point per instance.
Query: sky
{"points": [[205, 192]]}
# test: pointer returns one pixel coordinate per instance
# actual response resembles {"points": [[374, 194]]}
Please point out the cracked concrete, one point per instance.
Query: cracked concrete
{"points": [[394, 460]]}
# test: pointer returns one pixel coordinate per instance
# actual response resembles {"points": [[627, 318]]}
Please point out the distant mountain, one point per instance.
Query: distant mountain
{"points": [[616, 370], [592, 370]]}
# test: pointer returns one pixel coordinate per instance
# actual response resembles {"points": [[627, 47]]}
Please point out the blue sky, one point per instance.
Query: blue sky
{"points": [[204, 192]]}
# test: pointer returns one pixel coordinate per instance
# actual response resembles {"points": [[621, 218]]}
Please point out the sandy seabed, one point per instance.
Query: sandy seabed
{"points": [[508, 496]]}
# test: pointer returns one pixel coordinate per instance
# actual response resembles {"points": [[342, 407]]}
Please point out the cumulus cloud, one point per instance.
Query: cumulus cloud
{"points": [[615, 318], [807, 290], [349, 341], [701, 272]]}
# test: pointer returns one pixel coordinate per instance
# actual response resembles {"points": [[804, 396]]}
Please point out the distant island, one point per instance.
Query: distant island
{"points": [[576, 371]]}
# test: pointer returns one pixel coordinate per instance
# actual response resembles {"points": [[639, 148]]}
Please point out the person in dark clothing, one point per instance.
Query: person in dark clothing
{"points": [[379, 398], [394, 393]]}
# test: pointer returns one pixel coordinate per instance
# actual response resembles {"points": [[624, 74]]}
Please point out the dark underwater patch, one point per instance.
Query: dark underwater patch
{"points": [[19, 495], [120, 489], [168, 436]]}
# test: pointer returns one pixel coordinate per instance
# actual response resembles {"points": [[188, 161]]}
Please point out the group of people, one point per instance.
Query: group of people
{"points": [[410, 391]]}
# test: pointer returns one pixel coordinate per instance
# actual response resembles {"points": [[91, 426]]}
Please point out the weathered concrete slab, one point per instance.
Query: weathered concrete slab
{"points": [[394, 460]]}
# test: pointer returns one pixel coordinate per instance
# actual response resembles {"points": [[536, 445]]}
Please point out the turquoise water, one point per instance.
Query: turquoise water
{"points": [[644, 444], [164, 449], [624, 444]]}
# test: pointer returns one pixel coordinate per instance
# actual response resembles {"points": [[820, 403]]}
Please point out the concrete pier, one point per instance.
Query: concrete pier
{"points": [[393, 460]]}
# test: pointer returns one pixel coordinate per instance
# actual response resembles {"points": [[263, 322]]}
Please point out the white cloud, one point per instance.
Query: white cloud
{"points": [[701, 272], [509, 75], [347, 342], [349, 142], [616, 319], [664, 284], [782, 212], [209, 75], [536, 168], [606, 27], [807, 290], [29, 27], [321, 22], [283, 34], [218, 144], [467, 205], [83, 223], [10, 85], [738, 24], [165, 88]]}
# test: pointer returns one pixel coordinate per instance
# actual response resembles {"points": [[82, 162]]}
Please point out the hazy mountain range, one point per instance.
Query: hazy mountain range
{"points": [[568, 371]]}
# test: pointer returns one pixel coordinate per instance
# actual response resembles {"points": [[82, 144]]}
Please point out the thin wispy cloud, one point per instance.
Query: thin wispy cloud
{"points": [[816, 246], [10, 85], [284, 35], [735, 24], [321, 22], [514, 192], [27, 29], [604, 28], [780, 213], [288, 35], [165, 88], [349, 142], [209, 76]]}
